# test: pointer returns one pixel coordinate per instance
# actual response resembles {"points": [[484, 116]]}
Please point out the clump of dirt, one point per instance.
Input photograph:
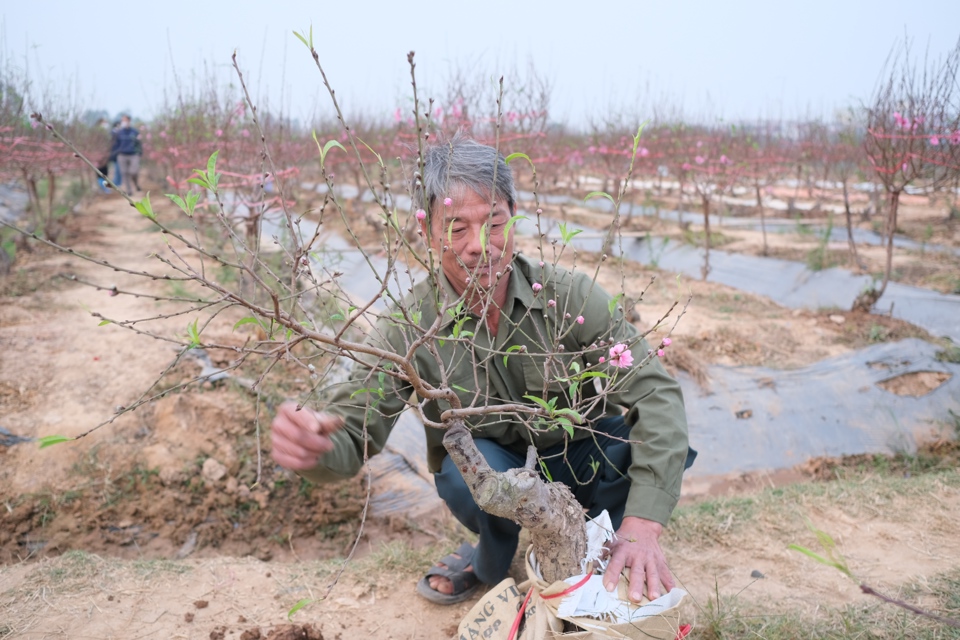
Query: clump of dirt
{"points": [[281, 632], [914, 384], [936, 455]]}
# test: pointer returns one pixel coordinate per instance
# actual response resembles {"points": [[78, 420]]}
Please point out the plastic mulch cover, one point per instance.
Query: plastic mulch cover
{"points": [[752, 418]]}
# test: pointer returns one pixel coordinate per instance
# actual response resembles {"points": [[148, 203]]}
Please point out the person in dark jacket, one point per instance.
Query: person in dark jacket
{"points": [[126, 148]]}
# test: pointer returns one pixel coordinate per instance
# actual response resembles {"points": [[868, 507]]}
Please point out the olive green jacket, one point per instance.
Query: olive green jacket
{"points": [[514, 364]]}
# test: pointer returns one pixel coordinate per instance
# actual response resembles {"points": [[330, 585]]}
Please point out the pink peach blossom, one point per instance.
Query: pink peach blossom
{"points": [[620, 356]]}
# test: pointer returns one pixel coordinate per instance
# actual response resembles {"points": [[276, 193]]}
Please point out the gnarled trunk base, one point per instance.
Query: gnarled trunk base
{"points": [[548, 511]]}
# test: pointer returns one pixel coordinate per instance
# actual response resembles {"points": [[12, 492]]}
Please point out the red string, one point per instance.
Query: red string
{"points": [[523, 607], [516, 621], [683, 631], [568, 590]]}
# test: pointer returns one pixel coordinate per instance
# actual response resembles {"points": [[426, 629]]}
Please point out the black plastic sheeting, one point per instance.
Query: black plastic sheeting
{"points": [[787, 283], [13, 202], [399, 479], [751, 419], [756, 418], [774, 225]]}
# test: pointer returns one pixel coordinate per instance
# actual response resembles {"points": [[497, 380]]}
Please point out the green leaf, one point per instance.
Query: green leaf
{"points": [[636, 140], [247, 320], [359, 391], [49, 441], [612, 305], [514, 156], [483, 240], [570, 412], [301, 39], [546, 472], [543, 403], [177, 200], [459, 388], [330, 144], [212, 168], [600, 194], [145, 208], [194, 334], [510, 350], [103, 322], [593, 374], [815, 556], [573, 390], [512, 221], [192, 198], [326, 148], [379, 159], [300, 605], [565, 424], [200, 180], [566, 235]]}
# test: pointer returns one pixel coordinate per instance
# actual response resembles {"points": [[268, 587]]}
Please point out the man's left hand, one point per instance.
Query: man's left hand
{"points": [[636, 545]]}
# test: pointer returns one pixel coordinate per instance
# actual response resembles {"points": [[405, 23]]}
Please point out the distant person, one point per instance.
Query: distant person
{"points": [[117, 181], [127, 148]]}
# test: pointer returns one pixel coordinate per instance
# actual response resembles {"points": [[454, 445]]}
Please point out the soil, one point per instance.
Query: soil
{"points": [[176, 502]]}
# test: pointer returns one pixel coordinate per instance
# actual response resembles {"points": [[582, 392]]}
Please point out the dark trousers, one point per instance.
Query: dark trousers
{"points": [[605, 488]]}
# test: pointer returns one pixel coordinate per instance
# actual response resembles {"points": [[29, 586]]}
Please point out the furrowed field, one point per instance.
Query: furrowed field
{"points": [[817, 264]]}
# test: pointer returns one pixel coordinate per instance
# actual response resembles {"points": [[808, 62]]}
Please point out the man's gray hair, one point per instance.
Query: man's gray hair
{"points": [[462, 162]]}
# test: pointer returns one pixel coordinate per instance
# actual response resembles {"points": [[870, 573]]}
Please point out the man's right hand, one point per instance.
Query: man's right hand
{"points": [[301, 437]]}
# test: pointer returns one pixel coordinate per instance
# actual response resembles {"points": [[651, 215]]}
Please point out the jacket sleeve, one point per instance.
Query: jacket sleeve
{"points": [[654, 410], [369, 401]]}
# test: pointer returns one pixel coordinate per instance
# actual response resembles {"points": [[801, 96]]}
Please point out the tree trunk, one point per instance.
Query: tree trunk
{"points": [[763, 219], [705, 269], [891, 230], [548, 511], [866, 300], [850, 240]]}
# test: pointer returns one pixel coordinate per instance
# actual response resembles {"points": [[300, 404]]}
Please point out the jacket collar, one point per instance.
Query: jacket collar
{"points": [[520, 288]]}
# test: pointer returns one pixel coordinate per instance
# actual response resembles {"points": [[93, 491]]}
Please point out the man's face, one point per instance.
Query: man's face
{"points": [[471, 262]]}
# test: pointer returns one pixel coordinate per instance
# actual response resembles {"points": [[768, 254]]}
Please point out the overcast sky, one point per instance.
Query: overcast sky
{"points": [[729, 58]]}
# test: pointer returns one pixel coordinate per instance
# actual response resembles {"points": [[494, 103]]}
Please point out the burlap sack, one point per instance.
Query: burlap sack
{"points": [[495, 614], [493, 617]]}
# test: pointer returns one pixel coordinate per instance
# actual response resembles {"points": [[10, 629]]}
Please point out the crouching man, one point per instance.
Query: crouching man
{"points": [[629, 461]]}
